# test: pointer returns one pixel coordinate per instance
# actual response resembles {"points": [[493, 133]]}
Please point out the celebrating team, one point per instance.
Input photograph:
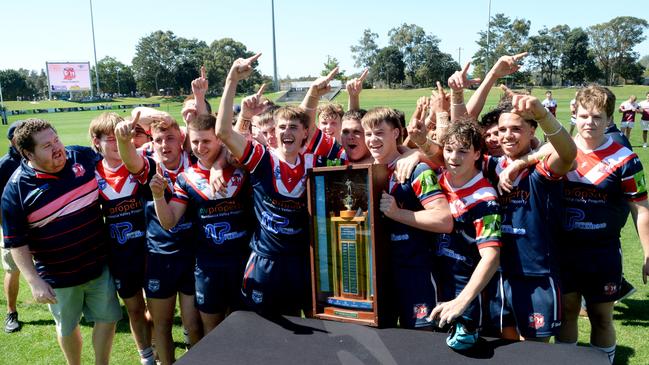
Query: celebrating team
{"points": [[489, 229]]}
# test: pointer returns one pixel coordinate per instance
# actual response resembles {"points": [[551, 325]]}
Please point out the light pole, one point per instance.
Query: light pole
{"points": [[486, 59], [3, 117], [272, 3], [459, 56], [94, 47]]}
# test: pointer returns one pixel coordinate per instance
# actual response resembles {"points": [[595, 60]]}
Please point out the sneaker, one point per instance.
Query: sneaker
{"points": [[186, 337], [11, 322], [644, 145], [626, 289], [148, 360], [461, 339]]}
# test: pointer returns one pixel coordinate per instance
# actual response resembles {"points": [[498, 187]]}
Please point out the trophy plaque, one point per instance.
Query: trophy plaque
{"points": [[347, 243]]}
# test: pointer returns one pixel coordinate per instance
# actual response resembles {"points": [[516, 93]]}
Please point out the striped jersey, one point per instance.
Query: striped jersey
{"points": [[410, 246], [597, 193], [59, 218], [223, 223], [323, 145], [122, 197], [530, 219], [476, 224], [279, 200]]}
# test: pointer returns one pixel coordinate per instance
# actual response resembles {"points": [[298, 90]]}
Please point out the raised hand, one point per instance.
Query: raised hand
{"points": [[242, 68], [507, 65], [440, 101], [125, 130], [254, 104], [200, 85], [459, 80], [158, 183], [320, 86], [355, 86], [527, 106]]}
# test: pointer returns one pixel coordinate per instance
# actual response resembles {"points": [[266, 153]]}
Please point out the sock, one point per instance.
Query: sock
{"points": [[610, 351], [146, 352]]}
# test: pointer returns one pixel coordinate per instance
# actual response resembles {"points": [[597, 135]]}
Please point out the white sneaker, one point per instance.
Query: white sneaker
{"points": [[644, 145]]}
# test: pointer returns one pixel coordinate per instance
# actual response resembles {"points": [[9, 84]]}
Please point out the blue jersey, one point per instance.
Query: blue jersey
{"points": [[59, 218], [410, 246], [324, 146], [178, 239], [597, 193], [224, 223], [280, 202], [531, 219], [476, 224], [8, 164], [122, 199], [617, 135]]}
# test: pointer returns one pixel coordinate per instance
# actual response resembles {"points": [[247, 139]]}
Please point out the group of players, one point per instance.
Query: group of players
{"points": [[488, 228]]}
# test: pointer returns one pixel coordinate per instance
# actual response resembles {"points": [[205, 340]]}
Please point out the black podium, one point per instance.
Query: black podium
{"points": [[247, 338]]}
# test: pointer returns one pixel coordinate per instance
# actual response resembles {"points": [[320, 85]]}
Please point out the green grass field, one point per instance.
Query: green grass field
{"points": [[36, 343]]}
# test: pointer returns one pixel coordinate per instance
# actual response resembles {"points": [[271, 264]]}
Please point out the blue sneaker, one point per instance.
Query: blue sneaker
{"points": [[460, 339]]}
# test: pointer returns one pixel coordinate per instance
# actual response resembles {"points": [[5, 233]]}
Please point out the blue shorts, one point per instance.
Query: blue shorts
{"points": [[218, 288], [168, 274], [497, 314], [413, 295], [128, 271], [278, 285], [535, 303], [596, 274]]}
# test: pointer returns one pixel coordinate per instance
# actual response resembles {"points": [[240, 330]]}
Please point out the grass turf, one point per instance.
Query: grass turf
{"points": [[36, 343]]}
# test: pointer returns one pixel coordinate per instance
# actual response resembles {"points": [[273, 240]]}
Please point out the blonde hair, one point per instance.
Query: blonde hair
{"points": [[103, 125], [596, 97]]}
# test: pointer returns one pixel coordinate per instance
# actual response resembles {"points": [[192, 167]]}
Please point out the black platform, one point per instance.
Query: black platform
{"points": [[247, 338]]}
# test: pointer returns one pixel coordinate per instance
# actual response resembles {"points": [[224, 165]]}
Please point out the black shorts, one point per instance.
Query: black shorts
{"points": [[413, 295], [128, 271], [218, 287], [278, 285], [168, 274], [595, 273]]}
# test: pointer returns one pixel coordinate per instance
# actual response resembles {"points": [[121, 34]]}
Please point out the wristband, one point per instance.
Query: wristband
{"points": [[158, 197], [555, 132]]}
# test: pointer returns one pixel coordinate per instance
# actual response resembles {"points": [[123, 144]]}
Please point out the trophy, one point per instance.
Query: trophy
{"points": [[343, 204]]}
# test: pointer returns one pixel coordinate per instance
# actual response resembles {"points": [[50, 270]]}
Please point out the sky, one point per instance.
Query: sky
{"points": [[34, 32]]}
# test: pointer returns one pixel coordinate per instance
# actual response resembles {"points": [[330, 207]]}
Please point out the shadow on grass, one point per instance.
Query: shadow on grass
{"points": [[633, 312], [623, 354], [38, 322]]}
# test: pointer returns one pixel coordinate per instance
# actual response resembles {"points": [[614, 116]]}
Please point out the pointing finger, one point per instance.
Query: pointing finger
{"points": [[363, 75], [465, 70], [158, 168], [260, 92], [203, 72], [253, 58], [519, 56], [332, 74], [440, 89], [135, 120], [506, 90]]}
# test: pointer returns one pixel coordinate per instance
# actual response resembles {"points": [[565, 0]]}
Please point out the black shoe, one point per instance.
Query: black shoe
{"points": [[626, 289], [11, 322]]}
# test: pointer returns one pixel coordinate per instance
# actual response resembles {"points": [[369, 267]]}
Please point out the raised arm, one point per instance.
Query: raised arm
{"points": [[124, 133], [236, 143], [354, 88], [318, 88], [199, 89], [529, 107], [458, 82], [506, 65], [148, 115], [251, 106], [436, 217]]}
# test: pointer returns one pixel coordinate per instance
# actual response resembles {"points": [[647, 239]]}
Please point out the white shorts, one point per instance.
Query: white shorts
{"points": [[573, 121], [644, 124], [629, 125]]}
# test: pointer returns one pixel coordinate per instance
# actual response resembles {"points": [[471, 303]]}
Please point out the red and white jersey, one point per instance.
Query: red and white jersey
{"points": [[550, 105], [645, 110], [628, 111]]}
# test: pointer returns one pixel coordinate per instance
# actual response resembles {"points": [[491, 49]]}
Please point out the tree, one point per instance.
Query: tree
{"points": [[506, 37], [545, 51], [365, 52], [222, 53], [414, 44], [14, 84], [37, 83], [632, 70], [332, 62], [154, 61], [613, 44], [192, 53], [577, 63], [388, 66], [114, 76], [436, 66]]}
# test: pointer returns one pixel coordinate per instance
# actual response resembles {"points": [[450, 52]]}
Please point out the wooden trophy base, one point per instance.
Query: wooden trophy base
{"points": [[347, 214], [349, 310]]}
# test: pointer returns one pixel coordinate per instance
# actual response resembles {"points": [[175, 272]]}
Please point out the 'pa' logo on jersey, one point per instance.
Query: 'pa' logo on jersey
{"points": [[102, 184], [610, 289], [537, 320], [154, 285], [277, 173], [78, 170], [420, 311]]}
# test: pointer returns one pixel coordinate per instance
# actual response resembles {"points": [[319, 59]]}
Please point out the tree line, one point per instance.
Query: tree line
{"points": [[166, 64]]}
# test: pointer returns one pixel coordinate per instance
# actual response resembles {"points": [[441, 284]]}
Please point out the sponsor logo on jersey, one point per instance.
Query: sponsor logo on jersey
{"points": [[78, 169], [420, 311], [537, 320], [102, 184]]}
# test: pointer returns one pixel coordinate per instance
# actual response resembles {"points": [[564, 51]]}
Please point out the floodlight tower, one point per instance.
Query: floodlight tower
{"points": [[94, 47], [272, 4], [486, 59]]}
